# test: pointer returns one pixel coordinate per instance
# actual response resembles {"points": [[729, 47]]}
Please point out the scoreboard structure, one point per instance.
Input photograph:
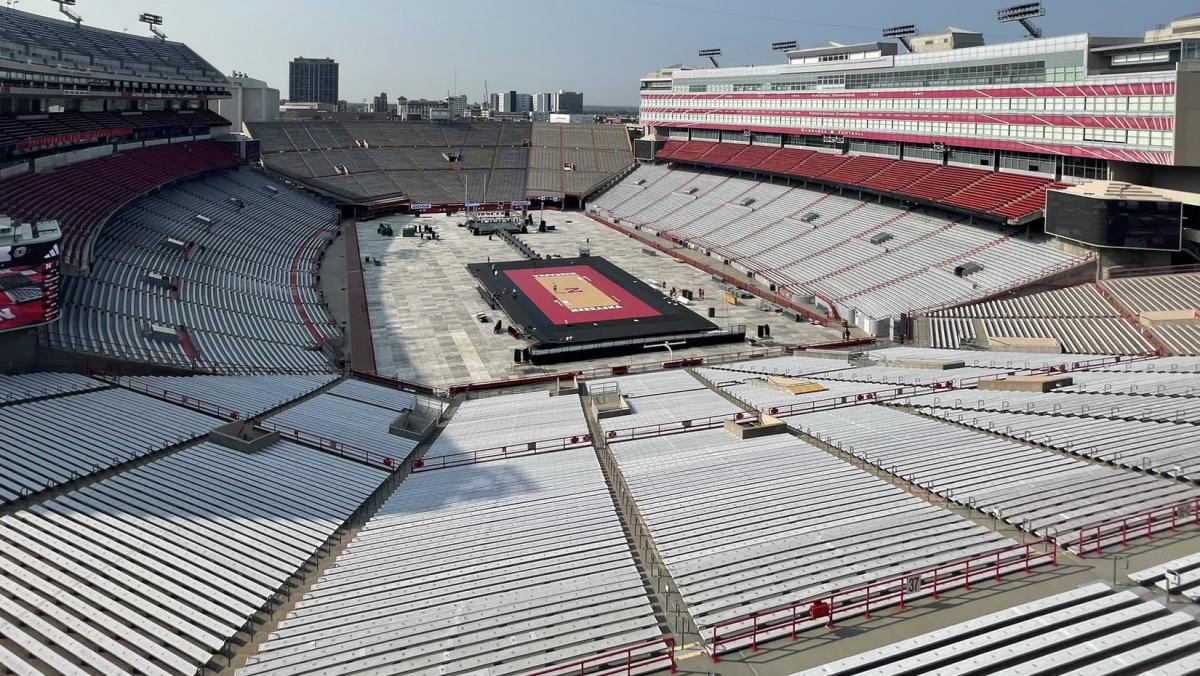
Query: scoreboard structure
{"points": [[29, 273]]}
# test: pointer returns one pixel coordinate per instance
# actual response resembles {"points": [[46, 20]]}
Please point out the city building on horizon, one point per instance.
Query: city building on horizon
{"points": [[313, 80]]}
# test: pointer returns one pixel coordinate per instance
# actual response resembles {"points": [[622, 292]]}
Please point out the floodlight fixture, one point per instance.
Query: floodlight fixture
{"points": [[785, 46], [153, 21], [1022, 14], [712, 55], [62, 7], [902, 33]]}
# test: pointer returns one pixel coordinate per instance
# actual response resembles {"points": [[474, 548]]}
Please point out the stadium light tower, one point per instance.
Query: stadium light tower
{"points": [[1022, 14], [153, 21], [62, 7], [786, 46], [712, 55], [903, 33]]}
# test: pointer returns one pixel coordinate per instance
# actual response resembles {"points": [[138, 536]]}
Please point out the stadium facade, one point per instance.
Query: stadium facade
{"points": [[1068, 109]]}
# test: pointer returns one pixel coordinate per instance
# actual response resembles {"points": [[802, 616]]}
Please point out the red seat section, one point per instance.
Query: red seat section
{"points": [[1004, 195], [29, 132], [944, 181], [996, 190], [82, 196]]}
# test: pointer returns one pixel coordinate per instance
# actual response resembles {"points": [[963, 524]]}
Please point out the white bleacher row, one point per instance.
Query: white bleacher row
{"points": [[1037, 490], [1004, 360], [1087, 335], [831, 256], [494, 568], [385, 397], [1062, 404], [25, 386], [1179, 338], [791, 366], [1160, 365], [52, 441], [1157, 292], [669, 410], [238, 284], [785, 522], [1134, 383], [1089, 631], [247, 395], [950, 332], [1188, 584], [1161, 447], [492, 422], [358, 419], [152, 570], [1073, 301]]}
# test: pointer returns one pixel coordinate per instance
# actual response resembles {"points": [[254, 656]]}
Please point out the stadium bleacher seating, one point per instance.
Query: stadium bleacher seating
{"points": [[26, 386], [153, 570], [1088, 631], [511, 419], [1163, 292], [28, 132], [247, 396], [23, 37], [1001, 195], [785, 517], [1188, 585], [82, 196], [53, 441], [868, 260], [505, 567], [241, 289], [1079, 317]]}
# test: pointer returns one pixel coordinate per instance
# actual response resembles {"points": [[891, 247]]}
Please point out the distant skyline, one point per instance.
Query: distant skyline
{"points": [[420, 49]]}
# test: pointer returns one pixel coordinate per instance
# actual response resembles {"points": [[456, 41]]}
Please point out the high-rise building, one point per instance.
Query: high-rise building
{"points": [[313, 80], [494, 101], [522, 103], [380, 105], [543, 102], [567, 102], [458, 106]]}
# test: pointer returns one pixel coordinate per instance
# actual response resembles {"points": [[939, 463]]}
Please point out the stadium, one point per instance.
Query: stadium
{"points": [[881, 358]]}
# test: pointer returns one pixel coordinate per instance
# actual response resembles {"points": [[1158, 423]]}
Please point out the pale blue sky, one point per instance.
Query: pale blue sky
{"points": [[600, 47]]}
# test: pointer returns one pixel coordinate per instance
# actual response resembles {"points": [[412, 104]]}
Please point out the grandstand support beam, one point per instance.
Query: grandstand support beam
{"points": [[711, 55]]}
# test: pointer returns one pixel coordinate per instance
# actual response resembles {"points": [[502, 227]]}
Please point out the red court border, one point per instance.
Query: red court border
{"points": [[631, 306]]}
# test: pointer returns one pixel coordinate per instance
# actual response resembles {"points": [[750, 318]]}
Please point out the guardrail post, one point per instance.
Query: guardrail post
{"points": [[997, 566], [1124, 533], [1172, 519], [715, 659], [1079, 549], [754, 635], [793, 623], [671, 654], [967, 577], [1149, 526], [935, 594]]}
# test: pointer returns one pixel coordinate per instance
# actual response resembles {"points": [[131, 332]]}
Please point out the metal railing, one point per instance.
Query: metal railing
{"points": [[187, 401], [331, 445], [502, 452], [815, 611], [1093, 537], [644, 658]]}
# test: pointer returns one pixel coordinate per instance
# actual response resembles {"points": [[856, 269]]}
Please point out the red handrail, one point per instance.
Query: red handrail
{"points": [[605, 663], [1134, 526], [518, 450], [326, 444], [787, 620]]}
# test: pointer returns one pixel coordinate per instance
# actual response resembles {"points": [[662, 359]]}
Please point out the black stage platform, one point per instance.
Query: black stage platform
{"points": [[581, 308]]}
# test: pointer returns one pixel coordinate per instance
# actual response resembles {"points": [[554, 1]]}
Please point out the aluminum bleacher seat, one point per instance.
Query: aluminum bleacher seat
{"points": [[243, 286], [787, 522], [247, 395], [1036, 490], [506, 420], [1092, 630], [154, 569], [506, 567], [1187, 584], [23, 387], [53, 441]]}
